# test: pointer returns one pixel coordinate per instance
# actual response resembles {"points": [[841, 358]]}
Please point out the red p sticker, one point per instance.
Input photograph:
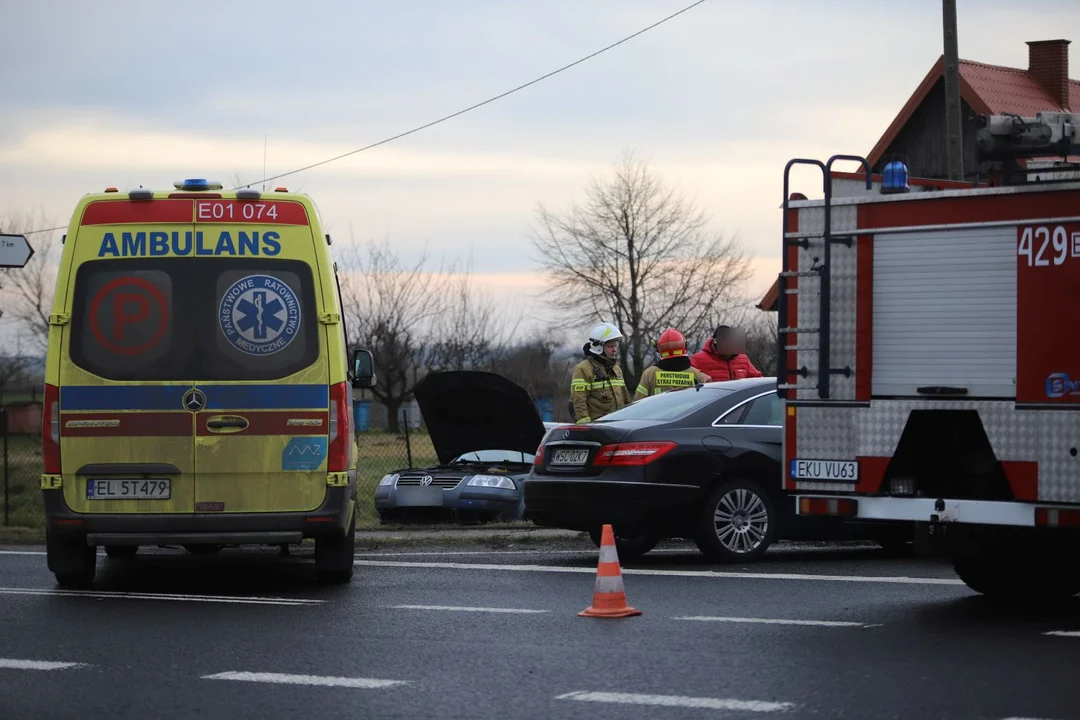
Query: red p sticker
{"points": [[129, 316]]}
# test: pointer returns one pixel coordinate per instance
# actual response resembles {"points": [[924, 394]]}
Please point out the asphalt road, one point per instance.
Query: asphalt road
{"points": [[475, 633]]}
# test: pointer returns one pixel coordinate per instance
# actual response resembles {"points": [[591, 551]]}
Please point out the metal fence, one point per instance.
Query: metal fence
{"points": [[380, 453], [20, 471]]}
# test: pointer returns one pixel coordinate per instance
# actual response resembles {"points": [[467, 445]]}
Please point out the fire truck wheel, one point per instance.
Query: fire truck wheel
{"points": [[628, 548], [738, 522], [1017, 579]]}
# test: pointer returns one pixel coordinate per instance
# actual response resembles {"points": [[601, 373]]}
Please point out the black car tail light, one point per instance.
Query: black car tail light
{"points": [[634, 453]]}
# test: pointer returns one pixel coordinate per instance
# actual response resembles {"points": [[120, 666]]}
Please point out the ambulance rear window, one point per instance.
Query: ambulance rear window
{"points": [[194, 319]]}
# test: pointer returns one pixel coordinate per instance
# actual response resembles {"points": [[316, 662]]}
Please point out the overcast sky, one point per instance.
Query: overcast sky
{"points": [[717, 100]]}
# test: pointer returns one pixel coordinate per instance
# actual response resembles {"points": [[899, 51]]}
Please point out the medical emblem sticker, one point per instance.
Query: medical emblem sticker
{"points": [[259, 315]]}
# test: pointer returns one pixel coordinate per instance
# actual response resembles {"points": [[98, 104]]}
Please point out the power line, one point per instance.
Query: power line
{"points": [[455, 114], [32, 232], [481, 104]]}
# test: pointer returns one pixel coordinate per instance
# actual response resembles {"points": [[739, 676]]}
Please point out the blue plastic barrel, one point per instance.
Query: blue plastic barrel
{"points": [[544, 406], [361, 410]]}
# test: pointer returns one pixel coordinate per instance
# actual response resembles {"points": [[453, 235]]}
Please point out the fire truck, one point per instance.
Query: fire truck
{"points": [[929, 355]]}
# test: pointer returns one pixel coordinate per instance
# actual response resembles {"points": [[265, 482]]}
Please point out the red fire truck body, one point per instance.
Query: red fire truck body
{"points": [[930, 368]]}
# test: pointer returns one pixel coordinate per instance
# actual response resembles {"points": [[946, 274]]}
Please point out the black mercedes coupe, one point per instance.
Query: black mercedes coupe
{"points": [[702, 463]]}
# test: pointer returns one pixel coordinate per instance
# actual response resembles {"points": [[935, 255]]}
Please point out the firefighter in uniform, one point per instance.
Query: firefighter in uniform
{"points": [[673, 371], [597, 386]]}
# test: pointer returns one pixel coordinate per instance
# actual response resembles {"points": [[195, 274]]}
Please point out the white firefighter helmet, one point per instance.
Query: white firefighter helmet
{"points": [[602, 333]]}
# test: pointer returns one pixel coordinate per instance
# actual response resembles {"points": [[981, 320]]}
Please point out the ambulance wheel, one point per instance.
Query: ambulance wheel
{"points": [[738, 522], [628, 548], [121, 552], [334, 556], [71, 560]]}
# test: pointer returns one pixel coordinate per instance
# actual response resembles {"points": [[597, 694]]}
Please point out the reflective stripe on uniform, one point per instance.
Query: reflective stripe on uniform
{"points": [[584, 419], [596, 385]]}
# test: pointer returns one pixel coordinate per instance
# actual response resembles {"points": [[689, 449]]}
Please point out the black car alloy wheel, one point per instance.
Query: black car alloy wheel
{"points": [[738, 522]]}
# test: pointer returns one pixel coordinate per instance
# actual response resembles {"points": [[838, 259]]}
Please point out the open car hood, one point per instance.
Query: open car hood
{"points": [[467, 410]]}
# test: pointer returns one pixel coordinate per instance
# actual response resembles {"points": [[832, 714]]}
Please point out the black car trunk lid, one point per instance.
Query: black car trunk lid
{"points": [[572, 449]]}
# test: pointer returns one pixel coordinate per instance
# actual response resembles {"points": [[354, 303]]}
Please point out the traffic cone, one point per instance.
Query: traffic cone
{"points": [[609, 597]]}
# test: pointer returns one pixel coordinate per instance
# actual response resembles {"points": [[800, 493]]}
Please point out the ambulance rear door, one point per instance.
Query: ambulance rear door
{"points": [[261, 367], [126, 438]]}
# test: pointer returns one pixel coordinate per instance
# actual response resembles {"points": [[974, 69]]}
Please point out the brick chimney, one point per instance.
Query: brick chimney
{"points": [[1048, 63]]}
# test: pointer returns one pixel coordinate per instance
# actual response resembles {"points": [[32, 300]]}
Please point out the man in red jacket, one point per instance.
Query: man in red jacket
{"points": [[723, 357]]}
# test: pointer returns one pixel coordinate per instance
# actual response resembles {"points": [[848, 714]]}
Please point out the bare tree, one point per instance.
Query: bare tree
{"points": [[529, 364], [471, 331], [30, 288], [390, 307], [13, 366], [640, 255]]}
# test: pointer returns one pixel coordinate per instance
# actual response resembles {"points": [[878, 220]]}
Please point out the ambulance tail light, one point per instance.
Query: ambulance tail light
{"points": [[843, 507], [340, 429], [1057, 517], [50, 430]]}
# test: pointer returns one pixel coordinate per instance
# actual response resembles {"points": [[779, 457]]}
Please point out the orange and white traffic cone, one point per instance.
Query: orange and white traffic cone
{"points": [[609, 597]]}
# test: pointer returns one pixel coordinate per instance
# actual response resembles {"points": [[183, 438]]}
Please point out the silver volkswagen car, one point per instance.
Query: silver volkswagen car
{"points": [[485, 430]]}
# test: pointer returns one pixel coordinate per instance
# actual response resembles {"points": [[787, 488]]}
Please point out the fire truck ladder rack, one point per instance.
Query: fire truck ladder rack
{"points": [[822, 274]]}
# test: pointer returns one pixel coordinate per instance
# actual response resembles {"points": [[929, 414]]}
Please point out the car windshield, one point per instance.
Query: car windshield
{"points": [[493, 456], [669, 406]]}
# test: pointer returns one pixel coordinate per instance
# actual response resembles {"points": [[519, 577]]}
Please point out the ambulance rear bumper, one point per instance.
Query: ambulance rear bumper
{"points": [[332, 518]]}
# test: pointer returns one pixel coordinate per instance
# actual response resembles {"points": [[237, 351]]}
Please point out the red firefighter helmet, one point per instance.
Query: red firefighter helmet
{"points": [[671, 344]]}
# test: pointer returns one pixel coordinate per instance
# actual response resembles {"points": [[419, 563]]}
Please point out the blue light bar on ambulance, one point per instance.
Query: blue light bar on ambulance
{"points": [[197, 184]]}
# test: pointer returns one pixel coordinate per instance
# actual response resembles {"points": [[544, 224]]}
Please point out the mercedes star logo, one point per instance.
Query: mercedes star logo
{"points": [[426, 480], [194, 400]]}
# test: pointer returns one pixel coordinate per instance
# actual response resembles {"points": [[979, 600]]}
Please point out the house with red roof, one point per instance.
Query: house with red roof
{"points": [[917, 134]]}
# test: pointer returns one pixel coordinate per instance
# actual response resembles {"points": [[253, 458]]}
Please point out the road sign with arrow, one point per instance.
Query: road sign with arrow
{"points": [[15, 251]]}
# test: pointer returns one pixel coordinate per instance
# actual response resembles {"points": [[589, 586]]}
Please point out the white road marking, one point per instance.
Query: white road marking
{"points": [[775, 621], [1064, 633], [454, 608], [676, 701], [21, 552], [898, 580], [320, 680], [688, 550], [10, 664], [101, 594]]}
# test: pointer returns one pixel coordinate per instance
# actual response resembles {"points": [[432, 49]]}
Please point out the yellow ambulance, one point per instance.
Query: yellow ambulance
{"points": [[198, 383]]}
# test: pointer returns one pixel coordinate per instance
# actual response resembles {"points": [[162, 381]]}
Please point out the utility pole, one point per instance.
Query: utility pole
{"points": [[954, 137]]}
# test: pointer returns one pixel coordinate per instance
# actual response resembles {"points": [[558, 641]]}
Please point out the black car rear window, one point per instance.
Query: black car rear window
{"points": [[669, 406], [194, 319]]}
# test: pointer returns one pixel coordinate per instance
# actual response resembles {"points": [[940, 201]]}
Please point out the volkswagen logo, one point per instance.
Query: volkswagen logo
{"points": [[426, 480], [194, 400]]}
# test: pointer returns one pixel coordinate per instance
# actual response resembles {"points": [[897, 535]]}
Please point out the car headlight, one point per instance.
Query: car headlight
{"points": [[491, 481], [388, 479]]}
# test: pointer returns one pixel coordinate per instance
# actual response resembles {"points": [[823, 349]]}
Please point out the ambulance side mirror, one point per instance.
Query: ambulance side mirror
{"points": [[363, 370]]}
